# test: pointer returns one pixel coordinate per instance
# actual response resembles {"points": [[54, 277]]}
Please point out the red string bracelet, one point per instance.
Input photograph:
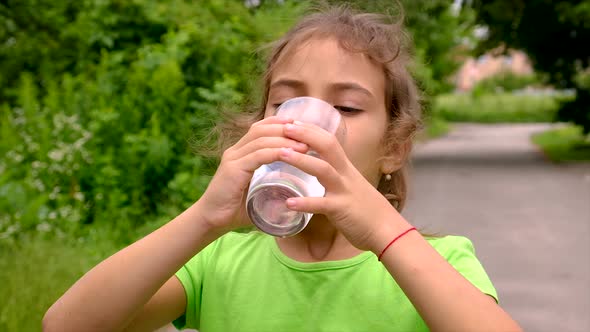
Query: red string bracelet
{"points": [[393, 241]]}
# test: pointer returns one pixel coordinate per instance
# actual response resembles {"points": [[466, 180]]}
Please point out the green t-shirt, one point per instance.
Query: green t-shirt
{"points": [[243, 282]]}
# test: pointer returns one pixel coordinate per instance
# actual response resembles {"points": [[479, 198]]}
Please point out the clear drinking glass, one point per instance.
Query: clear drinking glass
{"points": [[272, 184]]}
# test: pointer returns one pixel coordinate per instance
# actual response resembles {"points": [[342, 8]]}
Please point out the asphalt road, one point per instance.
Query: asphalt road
{"points": [[529, 219]]}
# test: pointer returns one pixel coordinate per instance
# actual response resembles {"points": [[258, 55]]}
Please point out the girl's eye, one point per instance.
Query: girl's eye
{"points": [[277, 105], [345, 109]]}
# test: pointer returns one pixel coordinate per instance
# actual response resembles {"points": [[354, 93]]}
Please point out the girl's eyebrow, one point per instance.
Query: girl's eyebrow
{"points": [[343, 86], [288, 83], [337, 86]]}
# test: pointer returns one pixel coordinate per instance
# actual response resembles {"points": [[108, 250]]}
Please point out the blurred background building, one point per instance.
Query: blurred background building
{"points": [[489, 64]]}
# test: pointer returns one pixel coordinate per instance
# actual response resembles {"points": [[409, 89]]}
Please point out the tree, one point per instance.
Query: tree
{"points": [[556, 36], [99, 98], [438, 33]]}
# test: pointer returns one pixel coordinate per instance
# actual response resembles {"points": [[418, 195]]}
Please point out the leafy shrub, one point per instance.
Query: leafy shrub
{"points": [[492, 108], [506, 82], [578, 109], [563, 144], [101, 136]]}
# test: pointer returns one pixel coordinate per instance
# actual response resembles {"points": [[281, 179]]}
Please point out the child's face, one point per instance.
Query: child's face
{"points": [[351, 83]]}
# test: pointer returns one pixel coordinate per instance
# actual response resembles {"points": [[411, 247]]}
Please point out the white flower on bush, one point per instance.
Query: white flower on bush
{"points": [[10, 230], [79, 196], [38, 184], [17, 157], [69, 214], [43, 227], [86, 136], [19, 116], [38, 164], [30, 145], [69, 147], [53, 194], [57, 155]]}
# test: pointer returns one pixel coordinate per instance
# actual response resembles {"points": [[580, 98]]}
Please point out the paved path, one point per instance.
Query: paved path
{"points": [[529, 219]]}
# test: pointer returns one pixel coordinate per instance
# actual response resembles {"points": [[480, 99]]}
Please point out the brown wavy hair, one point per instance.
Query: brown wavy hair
{"points": [[385, 42]]}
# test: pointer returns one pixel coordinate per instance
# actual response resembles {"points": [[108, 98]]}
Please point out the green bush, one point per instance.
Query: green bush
{"points": [[583, 79], [564, 144], [506, 82], [436, 127], [99, 101], [492, 108], [97, 129], [578, 110]]}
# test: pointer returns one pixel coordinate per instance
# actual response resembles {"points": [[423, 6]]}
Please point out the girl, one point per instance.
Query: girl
{"points": [[358, 266]]}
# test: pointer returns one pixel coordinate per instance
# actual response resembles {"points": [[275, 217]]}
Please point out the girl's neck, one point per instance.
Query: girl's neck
{"points": [[319, 241]]}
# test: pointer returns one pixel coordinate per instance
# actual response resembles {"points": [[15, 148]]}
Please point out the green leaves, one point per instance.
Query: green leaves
{"points": [[440, 36], [101, 99], [555, 35]]}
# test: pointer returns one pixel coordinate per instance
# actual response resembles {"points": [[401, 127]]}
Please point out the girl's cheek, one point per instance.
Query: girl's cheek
{"points": [[268, 111]]}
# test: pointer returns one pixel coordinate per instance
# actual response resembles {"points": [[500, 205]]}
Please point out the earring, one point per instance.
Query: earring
{"points": [[387, 177]]}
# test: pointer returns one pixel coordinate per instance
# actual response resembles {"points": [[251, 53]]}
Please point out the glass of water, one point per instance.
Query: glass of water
{"points": [[272, 184]]}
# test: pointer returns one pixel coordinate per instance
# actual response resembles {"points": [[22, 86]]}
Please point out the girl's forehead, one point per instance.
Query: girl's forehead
{"points": [[325, 59], [304, 47]]}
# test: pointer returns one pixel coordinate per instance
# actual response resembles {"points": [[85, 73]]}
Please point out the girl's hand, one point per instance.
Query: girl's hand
{"points": [[224, 201], [351, 203]]}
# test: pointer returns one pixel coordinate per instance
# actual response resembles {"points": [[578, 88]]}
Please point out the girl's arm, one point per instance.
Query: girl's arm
{"points": [[109, 296], [165, 306], [443, 297], [116, 291]]}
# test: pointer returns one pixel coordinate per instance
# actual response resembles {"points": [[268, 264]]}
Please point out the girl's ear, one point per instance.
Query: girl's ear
{"points": [[395, 159]]}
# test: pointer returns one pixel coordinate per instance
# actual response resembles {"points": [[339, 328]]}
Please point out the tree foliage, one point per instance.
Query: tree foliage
{"points": [[99, 98], [438, 33], [555, 34]]}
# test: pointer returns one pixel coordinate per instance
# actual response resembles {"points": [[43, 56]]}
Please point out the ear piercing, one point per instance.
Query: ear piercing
{"points": [[387, 177]]}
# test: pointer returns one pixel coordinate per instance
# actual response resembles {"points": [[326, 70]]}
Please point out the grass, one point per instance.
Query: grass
{"points": [[564, 144], [434, 127], [38, 269], [495, 108]]}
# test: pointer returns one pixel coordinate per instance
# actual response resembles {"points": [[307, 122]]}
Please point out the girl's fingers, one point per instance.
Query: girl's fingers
{"points": [[319, 140], [262, 130], [269, 142], [252, 161], [273, 120], [315, 205], [271, 126], [321, 169]]}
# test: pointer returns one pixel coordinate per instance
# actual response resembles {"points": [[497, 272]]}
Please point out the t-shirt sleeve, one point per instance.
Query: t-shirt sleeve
{"points": [[460, 253], [191, 277]]}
